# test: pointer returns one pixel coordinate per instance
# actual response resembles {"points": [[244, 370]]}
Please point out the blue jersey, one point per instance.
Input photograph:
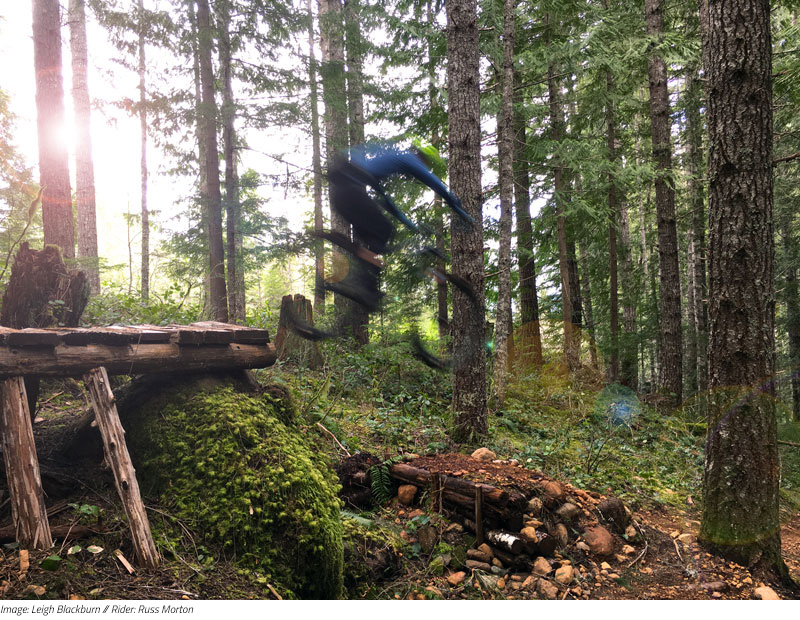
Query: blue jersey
{"points": [[382, 162]]}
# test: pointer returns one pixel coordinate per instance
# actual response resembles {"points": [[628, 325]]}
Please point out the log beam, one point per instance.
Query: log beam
{"points": [[105, 412], [22, 467], [65, 361]]}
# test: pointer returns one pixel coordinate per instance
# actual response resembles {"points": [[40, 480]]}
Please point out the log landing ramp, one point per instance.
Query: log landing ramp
{"points": [[93, 354]]}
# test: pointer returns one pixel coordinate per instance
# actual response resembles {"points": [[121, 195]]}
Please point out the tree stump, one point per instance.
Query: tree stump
{"points": [[105, 411], [290, 346], [22, 467], [42, 292]]}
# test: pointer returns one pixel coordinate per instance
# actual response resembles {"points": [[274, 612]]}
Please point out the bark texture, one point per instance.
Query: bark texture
{"points": [[504, 339], [143, 159], [670, 358], [213, 196], [53, 165], [469, 351], [84, 164], [529, 337], [316, 162], [613, 208], [233, 207], [571, 343], [334, 93], [741, 479]]}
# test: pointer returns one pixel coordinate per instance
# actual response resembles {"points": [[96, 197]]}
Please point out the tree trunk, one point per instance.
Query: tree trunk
{"points": [[586, 294], [530, 339], [84, 165], [613, 208], [213, 198], [694, 127], [628, 370], [505, 151], [469, 352], [316, 157], [233, 207], [336, 133], [53, 165], [143, 164], [571, 351], [670, 293], [741, 479], [442, 313], [355, 109]]}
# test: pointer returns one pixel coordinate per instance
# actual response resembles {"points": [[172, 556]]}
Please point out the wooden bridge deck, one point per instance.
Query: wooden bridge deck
{"points": [[133, 349]]}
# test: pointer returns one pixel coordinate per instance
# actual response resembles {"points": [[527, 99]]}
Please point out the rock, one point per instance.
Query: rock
{"points": [[457, 578], [416, 513], [406, 493], [565, 574], [686, 539], [427, 537], [765, 593], [567, 512], [605, 566], [434, 591], [628, 550], [479, 556], [437, 565], [484, 455], [497, 563], [582, 546], [476, 565], [620, 558], [534, 506], [547, 590], [534, 523], [613, 576], [530, 582], [496, 570], [547, 544], [517, 578], [747, 580], [599, 540], [561, 534], [647, 570], [716, 595], [501, 583], [454, 527], [612, 512], [484, 548], [631, 533], [542, 567], [715, 586], [553, 491], [530, 533]]}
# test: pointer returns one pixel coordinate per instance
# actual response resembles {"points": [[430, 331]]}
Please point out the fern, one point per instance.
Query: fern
{"points": [[381, 481]]}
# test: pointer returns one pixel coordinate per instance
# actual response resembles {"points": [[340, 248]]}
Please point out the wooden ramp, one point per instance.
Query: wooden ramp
{"points": [[94, 353]]}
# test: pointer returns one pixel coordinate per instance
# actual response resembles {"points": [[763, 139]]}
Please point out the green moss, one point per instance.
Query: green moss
{"points": [[234, 467]]}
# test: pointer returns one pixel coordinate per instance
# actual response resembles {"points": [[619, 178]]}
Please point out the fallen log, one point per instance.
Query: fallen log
{"points": [[421, 477], [506, 541], [68, 361], [65, 532]]}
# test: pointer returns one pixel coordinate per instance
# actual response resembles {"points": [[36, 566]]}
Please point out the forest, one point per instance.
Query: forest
{"points": [[399, 300]]}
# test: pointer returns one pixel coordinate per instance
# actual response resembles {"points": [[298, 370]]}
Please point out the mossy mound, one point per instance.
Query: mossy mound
{"points": [[239, 473]]}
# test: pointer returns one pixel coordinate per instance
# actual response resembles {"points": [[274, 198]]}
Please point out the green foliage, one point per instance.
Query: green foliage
{"points": [[243, 476], [380, 480]]}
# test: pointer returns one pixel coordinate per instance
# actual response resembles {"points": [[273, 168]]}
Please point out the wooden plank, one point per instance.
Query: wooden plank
{"points": [[116, 450], [66, 361], [188, 335], [22, 467], [241, 333], [32, 338]]}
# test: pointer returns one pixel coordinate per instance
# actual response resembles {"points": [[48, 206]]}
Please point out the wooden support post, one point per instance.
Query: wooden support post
{"points": [[478, 515], [105, 411], [22, 467]]}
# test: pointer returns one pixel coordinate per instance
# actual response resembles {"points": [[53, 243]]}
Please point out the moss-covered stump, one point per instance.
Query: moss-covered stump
{"points": [[238, 472]]}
